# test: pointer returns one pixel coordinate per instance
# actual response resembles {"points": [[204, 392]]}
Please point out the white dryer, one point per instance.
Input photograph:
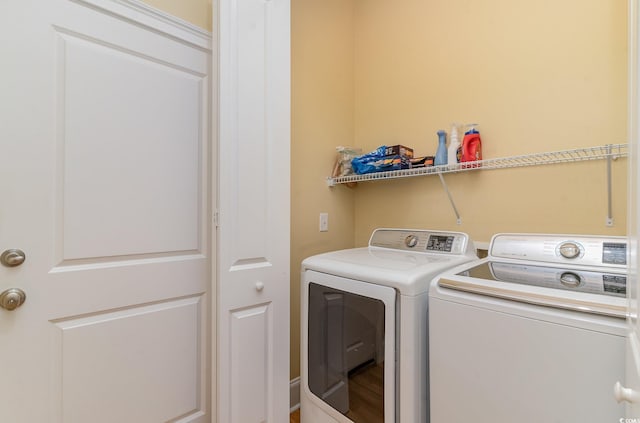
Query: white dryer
{"points": [[533, 333], [364, 340]]}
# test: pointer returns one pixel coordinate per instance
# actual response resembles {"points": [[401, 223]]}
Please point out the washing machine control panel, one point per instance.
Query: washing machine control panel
{"points": [[585, 250], [440, 243], [425, 241]]}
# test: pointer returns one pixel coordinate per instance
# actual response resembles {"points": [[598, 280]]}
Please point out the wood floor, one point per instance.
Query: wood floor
{"points": [[366, 397]]}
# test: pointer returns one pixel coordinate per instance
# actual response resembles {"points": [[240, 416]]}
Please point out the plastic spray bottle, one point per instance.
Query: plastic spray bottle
{"points": [[441, 153], [454, 145]]}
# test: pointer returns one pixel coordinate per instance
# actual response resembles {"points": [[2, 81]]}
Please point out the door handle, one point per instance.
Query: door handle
{"points": [[12, 257], [625, 394], [12, 298]]}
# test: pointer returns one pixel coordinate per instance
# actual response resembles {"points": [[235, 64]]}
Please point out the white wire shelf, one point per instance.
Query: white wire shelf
{"points": [[565, 156]]}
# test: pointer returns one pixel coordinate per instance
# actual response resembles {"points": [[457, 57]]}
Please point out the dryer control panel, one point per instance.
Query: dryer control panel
{"points": [[584, 250], [417, 240]]}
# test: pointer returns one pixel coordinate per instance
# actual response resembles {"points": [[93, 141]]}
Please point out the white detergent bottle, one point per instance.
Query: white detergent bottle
{"points": [[454, 145]]}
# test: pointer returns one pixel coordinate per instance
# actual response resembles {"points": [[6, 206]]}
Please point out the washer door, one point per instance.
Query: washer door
{"points": [[351, 347]]}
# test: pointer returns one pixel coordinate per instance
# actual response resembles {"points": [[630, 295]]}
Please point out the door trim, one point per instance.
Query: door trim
{"points": [[147, 16]]}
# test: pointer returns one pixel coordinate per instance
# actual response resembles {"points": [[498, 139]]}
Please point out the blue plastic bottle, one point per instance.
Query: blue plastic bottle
{"points": [[441, 153]]}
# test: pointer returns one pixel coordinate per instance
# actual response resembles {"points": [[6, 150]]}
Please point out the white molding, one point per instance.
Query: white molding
{"points": [[294, 394], [147, 16]]}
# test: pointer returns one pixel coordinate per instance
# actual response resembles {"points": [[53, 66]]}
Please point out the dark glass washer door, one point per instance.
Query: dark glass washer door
{"points": [[613, 284], [346, 352]]}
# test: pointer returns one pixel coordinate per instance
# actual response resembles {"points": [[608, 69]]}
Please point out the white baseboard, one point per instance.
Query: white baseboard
{"points": [[294, 394]]}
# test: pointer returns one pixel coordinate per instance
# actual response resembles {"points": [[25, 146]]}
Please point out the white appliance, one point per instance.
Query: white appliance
{"points": [[364, 326], [533, 333]]}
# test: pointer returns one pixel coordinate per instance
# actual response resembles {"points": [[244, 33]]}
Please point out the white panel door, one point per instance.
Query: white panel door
{"points": [[253, 232], [104, 185]]}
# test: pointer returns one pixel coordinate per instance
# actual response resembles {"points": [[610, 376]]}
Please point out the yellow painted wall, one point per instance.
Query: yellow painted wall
{"points": [[537, 76], [197, 12], [322, 118]]}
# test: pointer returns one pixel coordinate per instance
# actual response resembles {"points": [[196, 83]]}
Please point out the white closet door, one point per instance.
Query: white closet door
{"points": [[253, 233], [104, 185]]}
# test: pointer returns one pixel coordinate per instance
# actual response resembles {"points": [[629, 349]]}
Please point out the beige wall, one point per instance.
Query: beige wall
{"points": [[537, 76], [322, 118], [197, 12]]}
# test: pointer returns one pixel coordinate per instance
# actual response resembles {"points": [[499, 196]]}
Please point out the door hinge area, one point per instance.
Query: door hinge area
{"points": [[216, 219]]}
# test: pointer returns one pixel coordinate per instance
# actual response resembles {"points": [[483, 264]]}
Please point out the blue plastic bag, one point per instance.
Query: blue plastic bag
{"points": [[366, 162], [377, 161]]}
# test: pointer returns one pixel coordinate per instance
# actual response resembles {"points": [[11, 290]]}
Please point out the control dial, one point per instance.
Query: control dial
{"points": [[569, 250], [411, 241], [570, 280]]}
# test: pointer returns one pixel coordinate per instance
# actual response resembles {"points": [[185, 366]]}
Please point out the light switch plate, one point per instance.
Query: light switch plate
{"points": [[324, 222]]}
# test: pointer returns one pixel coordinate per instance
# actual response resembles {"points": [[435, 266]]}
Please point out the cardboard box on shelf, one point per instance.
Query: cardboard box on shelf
{"points": [[394, 163], [422, 161], [399, 150]]}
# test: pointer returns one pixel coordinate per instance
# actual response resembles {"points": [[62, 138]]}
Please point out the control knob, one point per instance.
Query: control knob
{"points": [[570, 280], [411, 241], [569, 250]]}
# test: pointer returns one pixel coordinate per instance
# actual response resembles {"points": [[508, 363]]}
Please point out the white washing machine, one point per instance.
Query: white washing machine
{"points": [[364, 326], [533, 333]]}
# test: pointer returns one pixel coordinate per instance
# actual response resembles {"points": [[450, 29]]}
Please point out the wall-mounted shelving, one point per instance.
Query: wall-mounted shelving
{"points": [[607, 152], [611, 151]]}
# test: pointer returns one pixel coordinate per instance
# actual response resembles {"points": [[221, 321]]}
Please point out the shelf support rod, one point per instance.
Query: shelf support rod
{"points": [[609, 221], [453, 205]]}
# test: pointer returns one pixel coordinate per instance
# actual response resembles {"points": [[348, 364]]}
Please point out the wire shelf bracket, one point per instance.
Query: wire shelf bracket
{"points": [[453, 204]]}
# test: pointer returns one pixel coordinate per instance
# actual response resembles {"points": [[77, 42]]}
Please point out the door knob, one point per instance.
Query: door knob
{"points": [[625, 394], [12, 298], [12, 257]]}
